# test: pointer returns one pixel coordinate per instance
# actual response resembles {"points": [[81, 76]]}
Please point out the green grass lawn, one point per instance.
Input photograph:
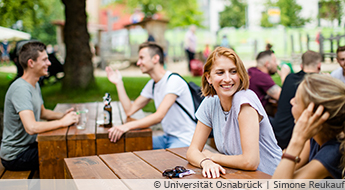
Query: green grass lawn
{"points": [[52, 94]]}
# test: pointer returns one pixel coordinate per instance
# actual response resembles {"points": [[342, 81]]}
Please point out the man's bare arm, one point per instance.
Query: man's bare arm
{"points": [[138, 104], [34, 127], [274, 92], [116, 132]]}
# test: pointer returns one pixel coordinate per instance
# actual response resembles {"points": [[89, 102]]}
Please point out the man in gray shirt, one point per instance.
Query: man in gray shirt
{"points": [[23, 110]]}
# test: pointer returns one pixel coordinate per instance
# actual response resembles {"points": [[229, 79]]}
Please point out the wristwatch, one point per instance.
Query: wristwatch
{"points": [[295, 159]]}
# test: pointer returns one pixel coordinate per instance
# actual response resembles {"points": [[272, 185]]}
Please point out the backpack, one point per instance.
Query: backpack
{"points": [[195, 91], [196, 67]]}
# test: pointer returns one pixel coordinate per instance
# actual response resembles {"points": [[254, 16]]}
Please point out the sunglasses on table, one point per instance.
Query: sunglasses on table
{"points": [[175, 172]]}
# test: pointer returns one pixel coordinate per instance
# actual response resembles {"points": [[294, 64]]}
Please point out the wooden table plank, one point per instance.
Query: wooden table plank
{"points": [[82, 142], [129, 166], [103, 144], [147, 164], [52, 149], [163, 160], [230, 173], [2, 169], [88, 167], [51, 155], [136, 140]]}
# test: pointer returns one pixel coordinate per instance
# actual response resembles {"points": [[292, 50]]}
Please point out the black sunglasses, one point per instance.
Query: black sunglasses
{"points": [[174, 172]]}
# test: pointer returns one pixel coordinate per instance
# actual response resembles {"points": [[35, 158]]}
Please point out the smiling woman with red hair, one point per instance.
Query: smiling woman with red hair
{"points": [[242, 132]]}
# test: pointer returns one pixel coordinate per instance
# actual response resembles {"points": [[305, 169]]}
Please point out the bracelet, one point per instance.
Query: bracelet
{"points": [[295, 159], [204, 160]]}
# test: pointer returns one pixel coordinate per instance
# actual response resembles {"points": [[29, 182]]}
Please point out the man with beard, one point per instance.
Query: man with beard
{"points": [[260, 77]]}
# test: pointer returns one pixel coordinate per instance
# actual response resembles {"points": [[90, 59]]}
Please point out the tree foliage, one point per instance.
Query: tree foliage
{"points": [[27, 11], [264, 20], [289, 14], [35, 16], [233, 15], [290, 11], [331, 10], [180, 13], [46, 31]]}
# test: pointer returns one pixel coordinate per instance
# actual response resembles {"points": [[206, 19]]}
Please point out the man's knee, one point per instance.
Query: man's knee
{"points": [[158, 142]]}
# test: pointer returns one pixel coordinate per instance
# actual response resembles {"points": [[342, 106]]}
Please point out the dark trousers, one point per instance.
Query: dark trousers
{"points": [[27, 160], [190, 56]]}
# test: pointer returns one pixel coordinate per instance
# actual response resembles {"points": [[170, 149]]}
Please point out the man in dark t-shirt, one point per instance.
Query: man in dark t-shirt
{"points": [[283, 121]]}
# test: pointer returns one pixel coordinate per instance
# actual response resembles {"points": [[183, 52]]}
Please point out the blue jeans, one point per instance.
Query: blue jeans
{"points": [[166, 141]]}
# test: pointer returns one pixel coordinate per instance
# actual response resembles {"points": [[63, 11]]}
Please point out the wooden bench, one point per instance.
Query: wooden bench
{"points": [[7, 174]]}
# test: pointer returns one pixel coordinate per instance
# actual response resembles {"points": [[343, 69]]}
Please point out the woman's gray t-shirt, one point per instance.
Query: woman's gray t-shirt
{"points": [[227, 133]]}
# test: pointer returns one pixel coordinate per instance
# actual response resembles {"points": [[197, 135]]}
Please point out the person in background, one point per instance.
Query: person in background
{"points": [[190, 42], [5, 50], [137, 16], [206, 52], [178, 127], [340, 72], [241, 129], [261, 81], [225, 42], [285, 67], [283, 121], [269, 46], [24, 110], [317, 146]]}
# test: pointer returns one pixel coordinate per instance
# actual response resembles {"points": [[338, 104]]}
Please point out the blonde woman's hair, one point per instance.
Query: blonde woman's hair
{"points": [[206, 88], [330, 93]]}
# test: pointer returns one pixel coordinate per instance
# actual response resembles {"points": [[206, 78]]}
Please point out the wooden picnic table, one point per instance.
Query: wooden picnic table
{"points": [[146, 164], [55, 145]]}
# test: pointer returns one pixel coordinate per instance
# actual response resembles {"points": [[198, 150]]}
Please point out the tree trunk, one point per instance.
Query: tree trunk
{"points": [[78, 65]]}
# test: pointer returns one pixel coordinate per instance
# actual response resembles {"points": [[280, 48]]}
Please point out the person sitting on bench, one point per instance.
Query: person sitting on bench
{"points": [[23, 110], [178, 127]]}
